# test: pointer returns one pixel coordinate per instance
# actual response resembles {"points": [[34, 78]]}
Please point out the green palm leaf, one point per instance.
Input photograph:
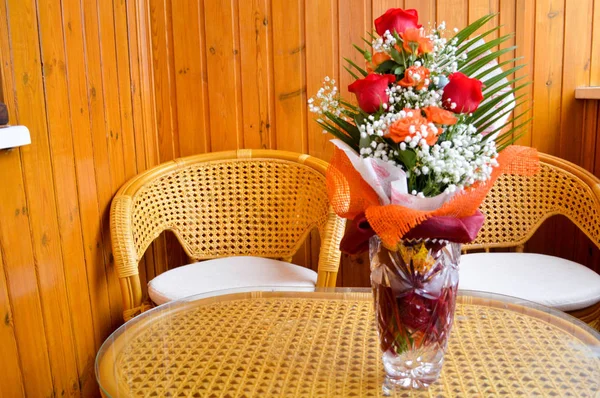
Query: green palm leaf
{"points": [[472, 28], [470, 68]]}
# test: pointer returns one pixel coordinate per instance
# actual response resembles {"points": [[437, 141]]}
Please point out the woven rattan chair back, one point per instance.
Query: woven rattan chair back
{"points": [[247, 202], [516, 206]]}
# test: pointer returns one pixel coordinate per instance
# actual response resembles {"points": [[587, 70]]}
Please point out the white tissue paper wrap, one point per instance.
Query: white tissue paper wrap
{"points": [[389, 181]]}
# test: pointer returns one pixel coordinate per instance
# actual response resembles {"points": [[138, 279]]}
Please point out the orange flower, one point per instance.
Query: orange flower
{"points": [[376, 60], [379, 58], [401, 128], [440, 116], [415, 76], [415, 38]]}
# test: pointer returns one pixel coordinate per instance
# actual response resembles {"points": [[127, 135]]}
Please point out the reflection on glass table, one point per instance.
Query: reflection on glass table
{"points": [[323, 342]]}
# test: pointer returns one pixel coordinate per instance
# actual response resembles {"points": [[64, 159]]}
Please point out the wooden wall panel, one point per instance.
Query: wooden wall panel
{"points": [[111, 88], [224, 74], [63, 166], [256, 42], [41, 203]]}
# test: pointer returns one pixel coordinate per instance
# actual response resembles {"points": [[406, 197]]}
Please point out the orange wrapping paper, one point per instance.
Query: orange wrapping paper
{"points": [[350, 195]]}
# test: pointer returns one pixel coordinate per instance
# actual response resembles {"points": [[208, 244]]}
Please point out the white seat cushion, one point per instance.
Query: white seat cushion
{"points": [[550, 281], [227, 273]]}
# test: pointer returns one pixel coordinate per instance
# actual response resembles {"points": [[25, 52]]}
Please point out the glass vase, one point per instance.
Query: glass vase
{"points": [[414, 287]]}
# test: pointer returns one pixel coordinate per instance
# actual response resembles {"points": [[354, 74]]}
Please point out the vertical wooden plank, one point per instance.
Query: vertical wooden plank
{"points": [[224, 80], [16, 244], [167, 246], [154, 258], [41, 204], [114, 139], [549, 38], [454, 12], [507, 21], [595, 60], [381, 6], [11, 378], [125, 91], [23, 291], [576, 62], [85, 171], [589, 141], [591, 131], [549, 35], [426, 10], [147, 92], [289, 68], [354, 22], [102, 161], [576, 72], [59, 124], [164, 79], [525, 42], [189, 51], [479, 8], [356, 270], [257, 74], [321, 60], [137, 65], [289, 75]]}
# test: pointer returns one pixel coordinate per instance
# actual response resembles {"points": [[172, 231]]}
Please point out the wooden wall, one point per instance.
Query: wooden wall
{"points": [[110, 88]]}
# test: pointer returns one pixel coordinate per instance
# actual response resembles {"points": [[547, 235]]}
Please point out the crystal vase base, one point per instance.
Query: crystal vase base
{"points": [[412, 370]]}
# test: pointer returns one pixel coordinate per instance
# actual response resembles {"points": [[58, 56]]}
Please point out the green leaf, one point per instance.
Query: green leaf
{"points": [[349, 105], [472, 28], [358, 68], [365, 53], [470, 68], [498, 139], [386, 66], [338, 134], [368, 42], [396, 56], [470, 43], [408, 157], [499, 66], [495, 79], [477, 51], [490, 90], [351, 73], [495, 117], [508, 138], [482, 110], [350, 129]]}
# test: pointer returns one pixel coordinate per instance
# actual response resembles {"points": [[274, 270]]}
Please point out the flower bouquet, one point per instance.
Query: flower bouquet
{"points": [[414, 158]]}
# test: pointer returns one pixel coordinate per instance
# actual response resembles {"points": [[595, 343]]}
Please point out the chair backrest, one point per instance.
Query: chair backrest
{"points": [[247, 202], [516, 206]]}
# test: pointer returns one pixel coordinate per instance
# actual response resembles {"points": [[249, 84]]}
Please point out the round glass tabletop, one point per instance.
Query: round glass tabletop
{"points": [[323, 342]]}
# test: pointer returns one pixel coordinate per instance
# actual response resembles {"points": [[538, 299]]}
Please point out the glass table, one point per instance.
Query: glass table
{"points": [[324, 343]]}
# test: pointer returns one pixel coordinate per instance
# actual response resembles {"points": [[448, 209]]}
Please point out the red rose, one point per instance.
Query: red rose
{"points": [[462, 91], [397, 19], [370, 91]]}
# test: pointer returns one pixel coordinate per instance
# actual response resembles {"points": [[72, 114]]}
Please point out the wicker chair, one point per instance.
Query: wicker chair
{"points": [[515, 207], [261, 203]]}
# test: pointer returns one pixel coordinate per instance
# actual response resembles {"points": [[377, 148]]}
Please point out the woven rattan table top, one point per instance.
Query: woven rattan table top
{"points": [[325, 344]]}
